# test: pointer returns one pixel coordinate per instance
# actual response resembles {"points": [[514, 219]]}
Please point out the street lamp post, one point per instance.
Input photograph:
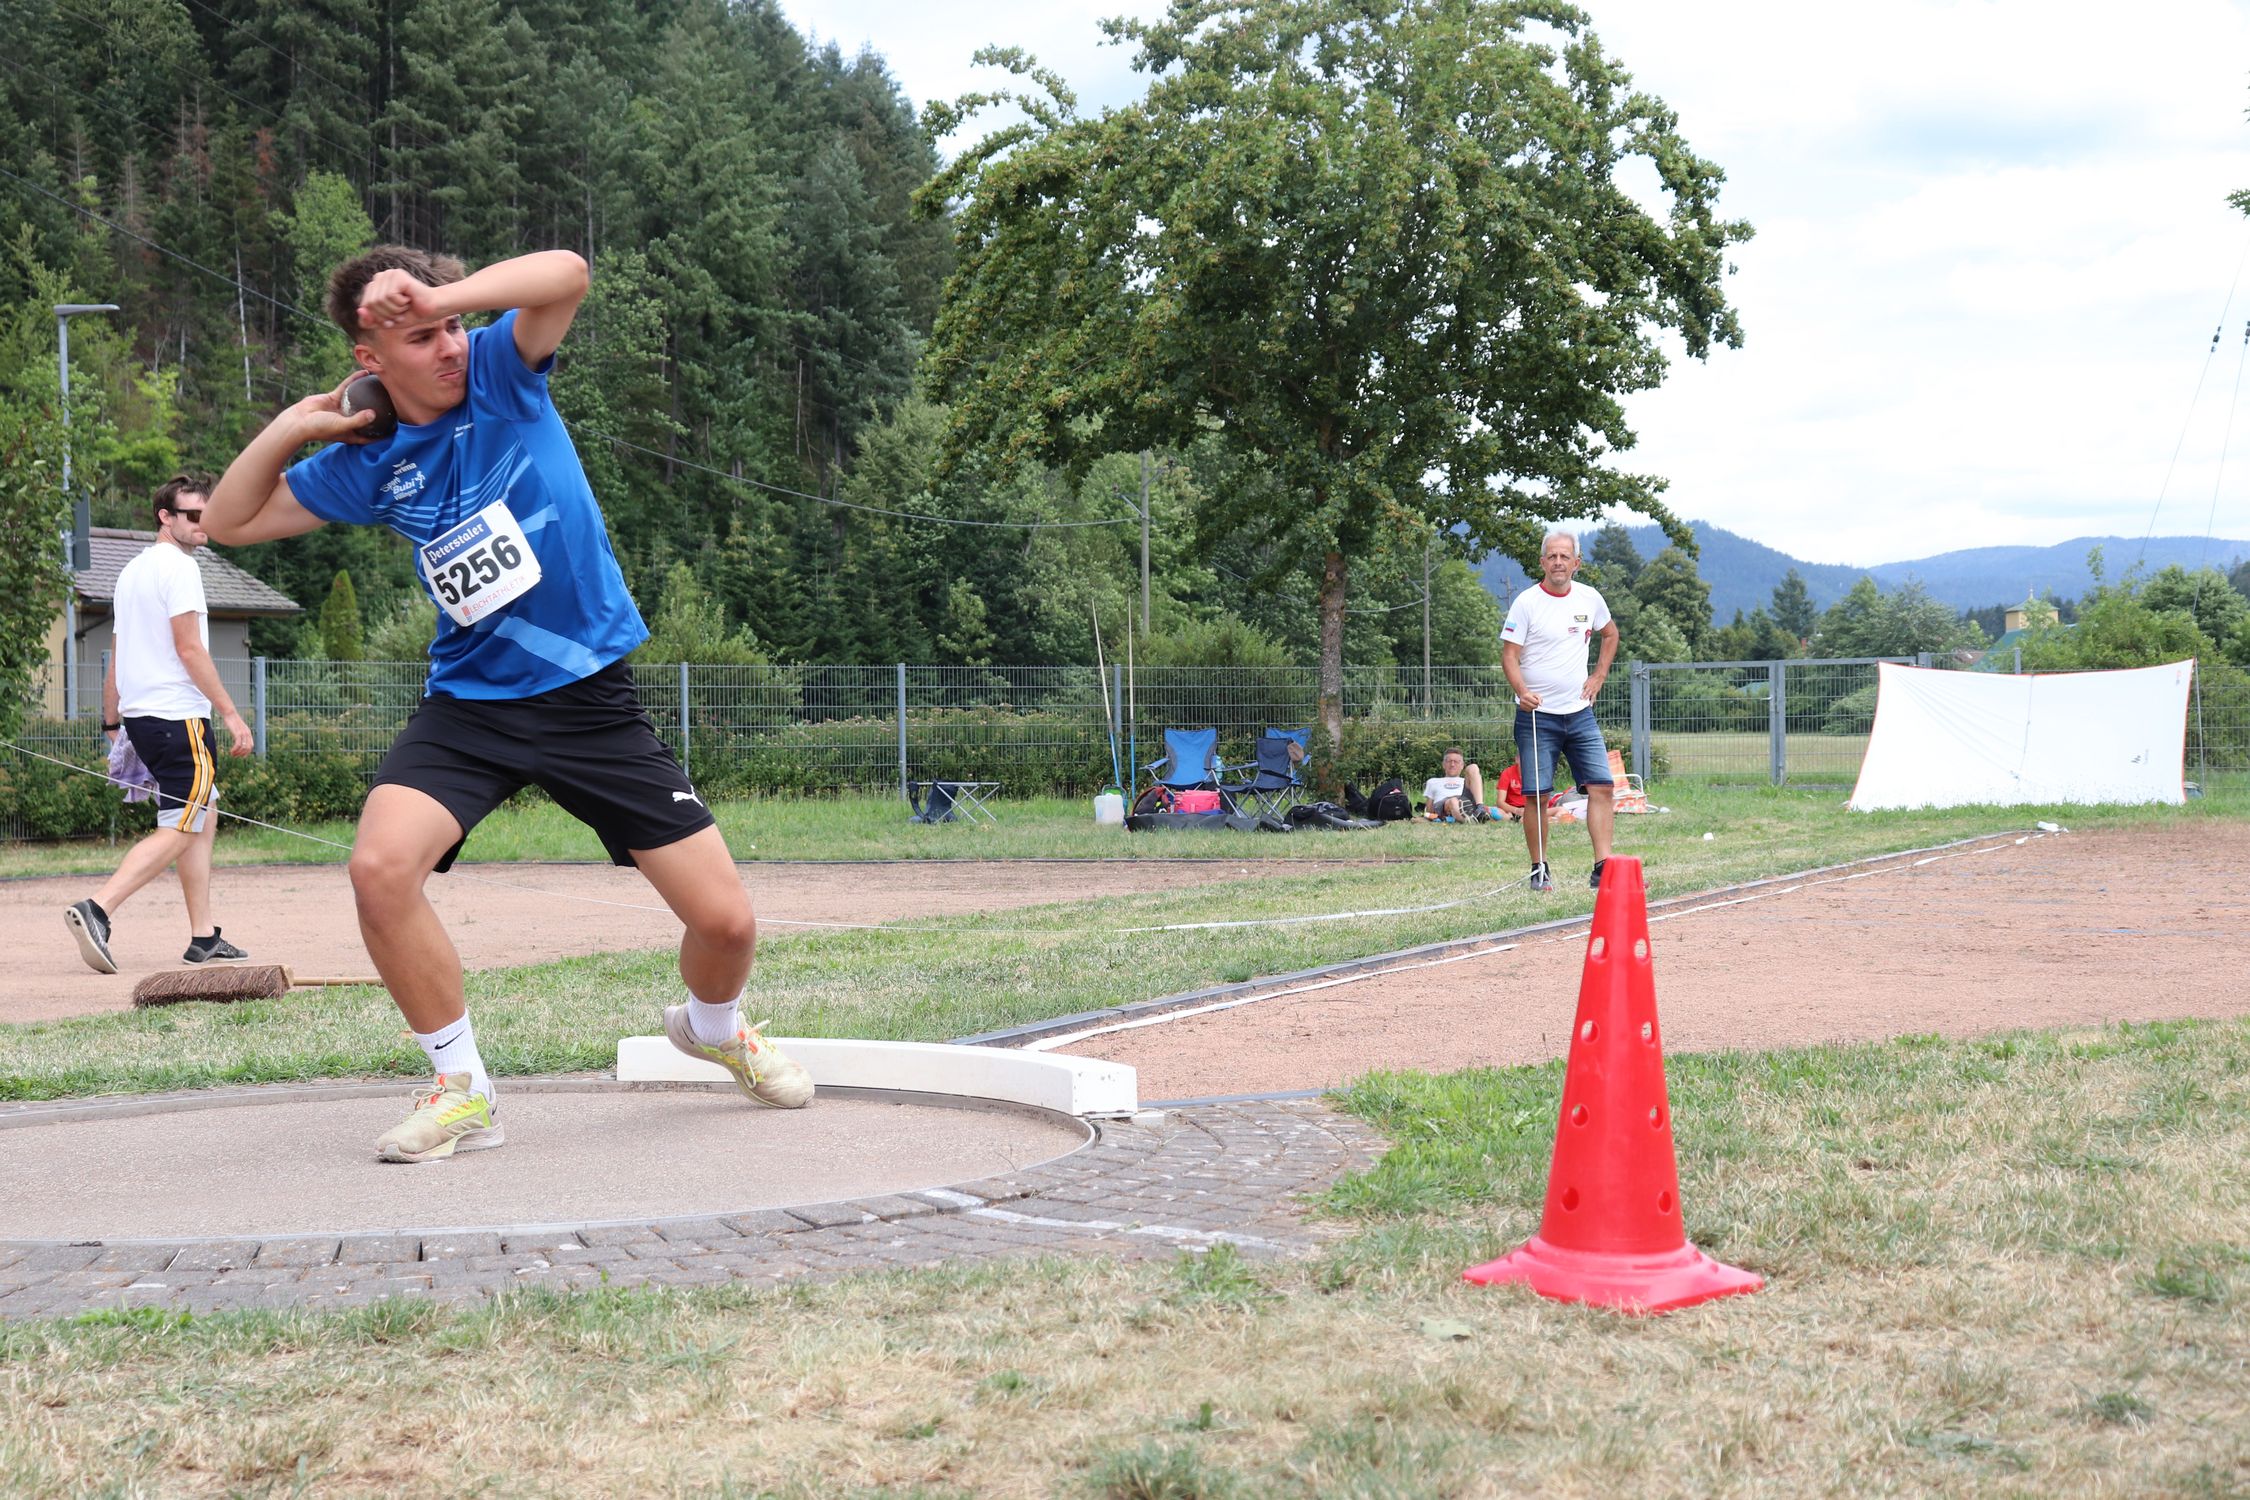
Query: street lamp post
{"points": [[64, 312]]}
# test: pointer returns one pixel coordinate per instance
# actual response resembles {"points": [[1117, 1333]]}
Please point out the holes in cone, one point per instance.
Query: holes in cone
{"points": [[1588, 1032], [1578, 1114], [1640, 947], [1599, 946], [1570, 1199], [1655, 1118], [1664, 1201], [1648, 1031]]}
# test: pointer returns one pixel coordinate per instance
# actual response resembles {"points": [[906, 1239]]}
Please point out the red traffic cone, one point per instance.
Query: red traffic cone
{"points": [[1611, 1233]]}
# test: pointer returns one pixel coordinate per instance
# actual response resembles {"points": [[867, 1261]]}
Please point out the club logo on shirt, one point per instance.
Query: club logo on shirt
{"points": [[407, 480]]}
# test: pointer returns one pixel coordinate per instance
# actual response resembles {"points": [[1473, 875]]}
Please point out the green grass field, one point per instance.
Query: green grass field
{"points": [[2016, 1265], [1730, 755], [2012, 1266], [935, 980]]}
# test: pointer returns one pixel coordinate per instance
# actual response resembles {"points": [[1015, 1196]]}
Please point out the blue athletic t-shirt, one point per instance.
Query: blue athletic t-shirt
{"points": [[503, 442]]}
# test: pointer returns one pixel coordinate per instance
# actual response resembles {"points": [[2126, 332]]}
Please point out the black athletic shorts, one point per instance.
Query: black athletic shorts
{"points": [[178, 754], [588, 745]]}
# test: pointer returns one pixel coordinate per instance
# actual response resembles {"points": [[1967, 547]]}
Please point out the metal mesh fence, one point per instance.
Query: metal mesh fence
{"points": [[817, 729], [344, 707], [1752, 721]]}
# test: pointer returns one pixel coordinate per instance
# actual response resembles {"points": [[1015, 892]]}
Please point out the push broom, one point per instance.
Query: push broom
{"points": [[225, 986]]}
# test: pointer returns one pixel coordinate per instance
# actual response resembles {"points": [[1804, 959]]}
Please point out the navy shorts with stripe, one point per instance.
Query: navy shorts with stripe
{"points": [[177, 753], [588, 744]]}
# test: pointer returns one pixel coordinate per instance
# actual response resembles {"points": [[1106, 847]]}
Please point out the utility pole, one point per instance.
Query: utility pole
{"points": [[1144, 539], [1429, 702], [75, 528]]}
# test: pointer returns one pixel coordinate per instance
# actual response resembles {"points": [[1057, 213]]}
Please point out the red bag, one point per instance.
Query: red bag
{"points": [[1195, 802]]}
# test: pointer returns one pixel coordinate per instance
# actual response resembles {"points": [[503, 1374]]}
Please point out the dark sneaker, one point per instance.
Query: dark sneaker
{"points": [[88, 924], [213, 950], [1595, 879], [1540, 879]]}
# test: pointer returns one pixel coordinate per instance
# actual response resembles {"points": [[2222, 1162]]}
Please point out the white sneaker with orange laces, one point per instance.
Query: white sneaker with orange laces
{"points": [[757, 1064], [447, 1118]]}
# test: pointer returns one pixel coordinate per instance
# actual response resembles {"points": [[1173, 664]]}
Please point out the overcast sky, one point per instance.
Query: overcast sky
{"points": [[1992, 245]]}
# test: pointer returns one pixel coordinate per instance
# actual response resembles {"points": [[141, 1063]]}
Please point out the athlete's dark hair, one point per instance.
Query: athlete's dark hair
{"points": [[349, 280], [168, 493]]}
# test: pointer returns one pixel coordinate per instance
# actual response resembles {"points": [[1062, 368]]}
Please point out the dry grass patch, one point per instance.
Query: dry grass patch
{"points": [[1999, 1267]]}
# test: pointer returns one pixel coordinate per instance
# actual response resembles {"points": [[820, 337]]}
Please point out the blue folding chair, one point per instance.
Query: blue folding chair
{"points": [[1191, 762], [1274, 785]]}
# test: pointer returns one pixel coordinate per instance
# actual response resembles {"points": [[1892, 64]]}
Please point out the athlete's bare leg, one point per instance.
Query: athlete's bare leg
{"points": [[698, 880], [403, 833]]}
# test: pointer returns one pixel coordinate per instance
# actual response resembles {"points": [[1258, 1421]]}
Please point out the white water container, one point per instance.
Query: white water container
{"points": [[1109, 810]]}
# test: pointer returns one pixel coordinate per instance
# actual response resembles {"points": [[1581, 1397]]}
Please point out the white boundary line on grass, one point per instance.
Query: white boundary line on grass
{"points": [[1072, 1038], [1049, 1044], [456, 872]]}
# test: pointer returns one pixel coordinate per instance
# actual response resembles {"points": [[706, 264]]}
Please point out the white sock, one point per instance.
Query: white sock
{"points": [[453, 1049], [714, 1025]]}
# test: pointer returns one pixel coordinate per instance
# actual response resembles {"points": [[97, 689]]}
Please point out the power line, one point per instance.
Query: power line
{"points": [[2224, 308], [350, 153], [740, 479], [164, 250], [776, 375], [547, 200], [540, 196], [907, 515], [555, 205]]}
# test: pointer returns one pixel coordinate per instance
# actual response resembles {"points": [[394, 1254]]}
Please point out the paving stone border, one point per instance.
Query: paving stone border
{"points": [[1150, 1186]]}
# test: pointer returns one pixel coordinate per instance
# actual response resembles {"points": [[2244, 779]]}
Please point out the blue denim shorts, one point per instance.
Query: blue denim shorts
{"points": [[1573, 736]]}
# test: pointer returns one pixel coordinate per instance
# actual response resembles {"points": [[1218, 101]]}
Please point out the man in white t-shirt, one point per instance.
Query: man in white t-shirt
{"points": [[159, 693], [1456, 794], [1551, 626]]}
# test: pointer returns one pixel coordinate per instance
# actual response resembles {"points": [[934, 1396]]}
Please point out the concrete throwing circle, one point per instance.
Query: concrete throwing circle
{"points": [[272, 1162]]}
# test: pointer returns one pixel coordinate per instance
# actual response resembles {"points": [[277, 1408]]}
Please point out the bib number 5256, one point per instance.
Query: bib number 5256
{"points": [[480, 565]]}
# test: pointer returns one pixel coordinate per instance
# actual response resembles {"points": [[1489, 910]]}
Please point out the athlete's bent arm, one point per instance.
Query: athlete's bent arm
{"points": [[252, 502], [544, 287]]}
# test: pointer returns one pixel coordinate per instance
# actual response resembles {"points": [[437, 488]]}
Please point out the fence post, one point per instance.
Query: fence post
{"points": [[902, 792], [257, 704], [1640, 720], [2019, 661], [1777, 721], [1922, 660], [685, 732]]}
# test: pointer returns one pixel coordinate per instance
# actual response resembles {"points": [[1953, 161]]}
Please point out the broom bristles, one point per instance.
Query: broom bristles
{"points": [[224, 986]]}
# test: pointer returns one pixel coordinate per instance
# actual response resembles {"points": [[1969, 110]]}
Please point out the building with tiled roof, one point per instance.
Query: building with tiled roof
{"points": [[2019, 620], [234, 596]]}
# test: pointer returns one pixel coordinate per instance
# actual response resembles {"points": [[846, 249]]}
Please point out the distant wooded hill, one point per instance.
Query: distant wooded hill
{"points": [[1742, 573]]}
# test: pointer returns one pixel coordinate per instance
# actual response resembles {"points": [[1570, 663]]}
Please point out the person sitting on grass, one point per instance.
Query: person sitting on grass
{"points": [[1456, 794]]}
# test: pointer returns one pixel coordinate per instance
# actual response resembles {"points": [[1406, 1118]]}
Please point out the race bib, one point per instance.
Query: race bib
{"points": [[480, 565]]}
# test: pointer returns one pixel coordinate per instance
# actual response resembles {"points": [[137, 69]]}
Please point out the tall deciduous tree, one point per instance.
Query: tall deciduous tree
{"points": [[1869, 622], [1382, 245]]}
